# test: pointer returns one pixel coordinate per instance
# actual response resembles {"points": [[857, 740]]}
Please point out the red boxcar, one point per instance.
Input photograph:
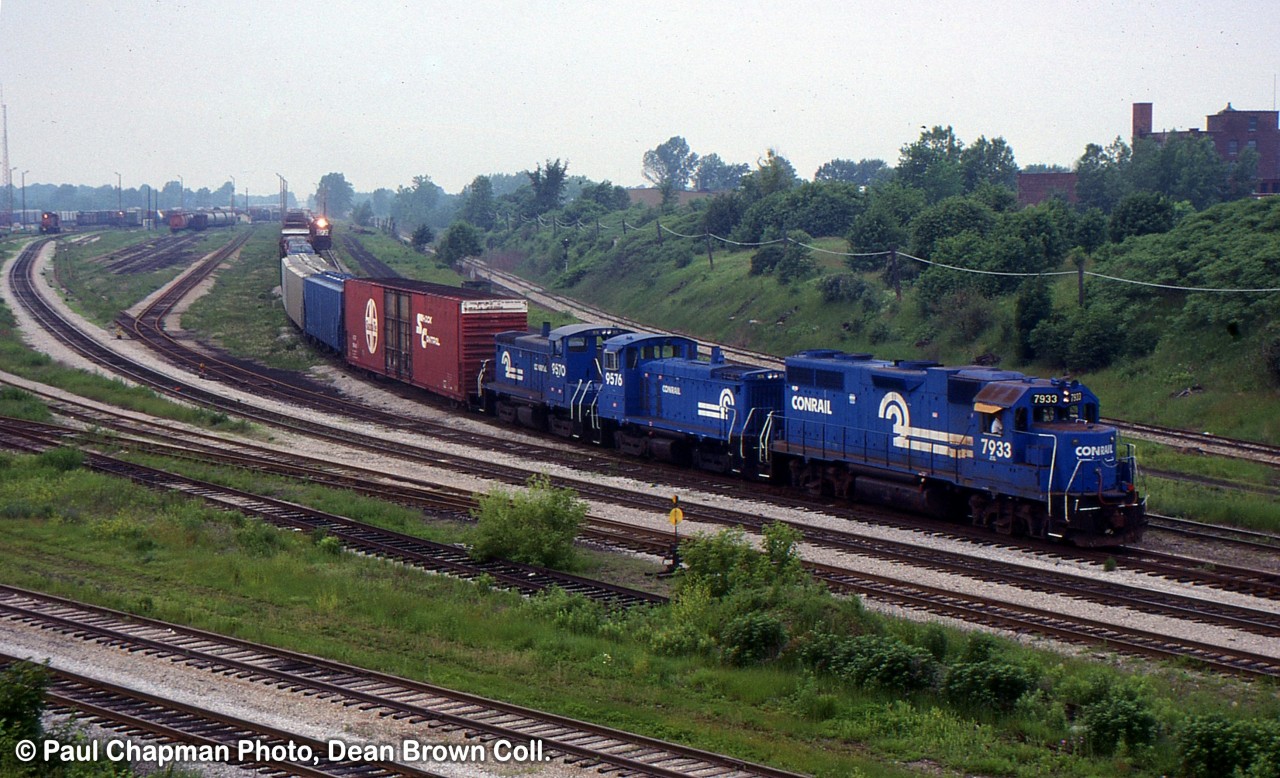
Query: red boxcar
{"points": [[429, 335]]}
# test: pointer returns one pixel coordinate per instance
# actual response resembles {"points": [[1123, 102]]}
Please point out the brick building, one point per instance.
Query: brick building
{"points": [[1232, 132]]}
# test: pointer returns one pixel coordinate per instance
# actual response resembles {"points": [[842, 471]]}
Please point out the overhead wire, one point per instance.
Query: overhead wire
{"points": [[957, 268]]}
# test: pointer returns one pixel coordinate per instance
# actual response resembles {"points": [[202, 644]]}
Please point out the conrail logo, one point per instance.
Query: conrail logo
{"points": [[510, 371], [1095, 451], [371, 326], [811, 404], [720, 410]]}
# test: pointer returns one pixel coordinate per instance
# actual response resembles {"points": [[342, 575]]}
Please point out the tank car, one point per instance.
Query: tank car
{"points": [[549, 380], [659, 399], [1021, 455]]}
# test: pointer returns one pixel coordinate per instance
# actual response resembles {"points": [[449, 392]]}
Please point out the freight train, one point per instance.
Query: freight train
{"points": [[201, 220], [1020, 455], [317, 231], [50, 223]]}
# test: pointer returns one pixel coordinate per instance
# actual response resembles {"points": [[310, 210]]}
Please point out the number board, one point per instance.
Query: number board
{"points": [[1053, 398]]}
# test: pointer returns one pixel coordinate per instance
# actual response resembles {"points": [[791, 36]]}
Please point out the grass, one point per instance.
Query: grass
{"points": [[93, 538], [99, 296]]}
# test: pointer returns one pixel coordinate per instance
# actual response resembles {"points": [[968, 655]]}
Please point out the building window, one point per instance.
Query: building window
{"points": [[1253, 124], [1233, 147], [1253, 144]]}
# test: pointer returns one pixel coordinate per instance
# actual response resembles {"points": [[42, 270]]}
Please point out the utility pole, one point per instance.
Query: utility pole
{"points": [[284, 197]]}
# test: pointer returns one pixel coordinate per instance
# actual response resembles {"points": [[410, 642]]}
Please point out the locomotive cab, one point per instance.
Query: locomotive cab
{"points": [[1041, 442], [663, 401], [550, 380]]}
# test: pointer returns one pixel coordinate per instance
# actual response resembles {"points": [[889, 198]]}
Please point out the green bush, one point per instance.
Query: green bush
{"points": [[22, 686], [569, 611], [1121, 716], [62, 459], [872, 662], [537, 526], [752, 638], [988, 684], [1215, 747]]}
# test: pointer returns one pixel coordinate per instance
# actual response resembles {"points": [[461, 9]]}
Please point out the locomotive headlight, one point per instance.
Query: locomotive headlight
{"points": [[322, 222], [1066, 395]]}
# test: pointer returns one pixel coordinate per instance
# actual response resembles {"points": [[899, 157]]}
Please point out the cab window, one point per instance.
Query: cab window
{"points": [[992, 424]]}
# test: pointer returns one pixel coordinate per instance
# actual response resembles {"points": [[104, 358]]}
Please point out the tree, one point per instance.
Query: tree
{"points": [[988, 162], [863, 172], [1141, 213], [334, 195], [949, 218], [362, 214], [669, 167], [1102, 175], [460, 241], [414, 205], [932, 164], [722, 214], [715, 175], [381, 201], [548, 186], [774, 173], [478, 207], [422, 237]]}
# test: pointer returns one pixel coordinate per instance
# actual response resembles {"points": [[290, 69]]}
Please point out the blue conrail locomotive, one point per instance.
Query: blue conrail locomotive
{"points": [[1020, 455]]}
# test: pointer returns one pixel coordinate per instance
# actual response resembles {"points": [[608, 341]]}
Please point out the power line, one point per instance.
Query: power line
{"points": [[956, 268]]}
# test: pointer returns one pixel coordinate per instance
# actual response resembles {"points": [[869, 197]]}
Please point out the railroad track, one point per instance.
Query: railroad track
{"points": [[609, 750], [992, 611], [1247, 579], [1201, 442], [354, 535], [214, 738], [366, 259]]}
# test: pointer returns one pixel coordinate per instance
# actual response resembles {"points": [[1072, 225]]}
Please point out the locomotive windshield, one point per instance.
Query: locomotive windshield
{"points": [[1048, 414]]}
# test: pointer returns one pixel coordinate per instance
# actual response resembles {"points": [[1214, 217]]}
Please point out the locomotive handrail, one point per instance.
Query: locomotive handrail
{"points": [[766, 431], [742, 439], [484, 365], [575, 402], [1053, 470]]}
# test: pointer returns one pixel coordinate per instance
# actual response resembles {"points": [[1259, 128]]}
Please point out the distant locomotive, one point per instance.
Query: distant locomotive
{"points": [[300, 225], [1019, 455], [50, 223], [321, 232]]}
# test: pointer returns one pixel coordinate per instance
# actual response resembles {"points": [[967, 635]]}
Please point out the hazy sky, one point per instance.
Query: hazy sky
{"points": [[382, 91]]}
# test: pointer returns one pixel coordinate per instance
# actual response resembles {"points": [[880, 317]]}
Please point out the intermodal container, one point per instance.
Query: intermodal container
{"points": [[294, 269], [322, 308]]}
